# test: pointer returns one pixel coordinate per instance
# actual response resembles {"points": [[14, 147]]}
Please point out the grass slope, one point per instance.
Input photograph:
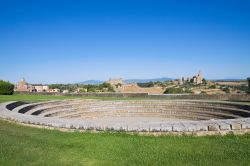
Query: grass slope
{"points": [[38, 97], [20, 145]]}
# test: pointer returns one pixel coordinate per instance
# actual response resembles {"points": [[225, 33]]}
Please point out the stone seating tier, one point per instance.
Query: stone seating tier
{"points": [[132, 115]]}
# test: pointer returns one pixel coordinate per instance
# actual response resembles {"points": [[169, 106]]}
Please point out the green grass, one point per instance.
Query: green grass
{"points": [[21, 145], [38, 98]]}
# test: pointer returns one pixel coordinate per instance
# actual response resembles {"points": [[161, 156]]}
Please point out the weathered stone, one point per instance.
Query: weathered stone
{"points": [[99, 128], [143, 128], [69, 126], [224, 126], [140, 116], [155, 128], [213, 127], [166, 127], [201, 127], [245, 125], [190, 127], [236, 126], [178, 128]]}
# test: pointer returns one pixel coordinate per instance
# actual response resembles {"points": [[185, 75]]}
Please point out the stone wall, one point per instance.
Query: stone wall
{"points": [[240, 124], [134, 88], [229, 97]]}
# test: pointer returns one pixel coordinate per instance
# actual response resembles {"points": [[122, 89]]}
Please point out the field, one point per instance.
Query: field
{"points": [[38, 98], [23, 145]]}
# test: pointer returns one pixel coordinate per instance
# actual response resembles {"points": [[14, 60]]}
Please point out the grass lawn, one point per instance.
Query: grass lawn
{"points": [[21, 145], [38, 98]]}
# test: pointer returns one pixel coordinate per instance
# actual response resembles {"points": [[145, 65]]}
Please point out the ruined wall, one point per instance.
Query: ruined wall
{"points": [[235, 97], [134, 88]]}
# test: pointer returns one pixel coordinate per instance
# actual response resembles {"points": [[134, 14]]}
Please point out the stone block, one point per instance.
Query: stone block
{"points": [[245, 125], [213, 127], [155, 128], [224, 126], [190, 127], [133, 128], [201, 127], [178, 128], [99, 128], [68, 126], [166, 128], [119, 127], [236, 126], [143, 128]]}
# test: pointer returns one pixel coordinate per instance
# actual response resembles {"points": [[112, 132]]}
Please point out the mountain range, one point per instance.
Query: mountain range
{"points": [[129, 80]]}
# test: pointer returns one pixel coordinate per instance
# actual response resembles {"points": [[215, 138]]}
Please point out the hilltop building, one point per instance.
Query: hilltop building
{"points": [[40, 88], [197, 79], [114, 82], [23, 86]]}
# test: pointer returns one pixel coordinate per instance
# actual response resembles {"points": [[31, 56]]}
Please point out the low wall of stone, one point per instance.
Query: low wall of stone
{"points": [[228, 97], [240, 124]]}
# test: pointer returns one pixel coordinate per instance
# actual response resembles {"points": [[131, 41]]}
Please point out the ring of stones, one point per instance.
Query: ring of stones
{"points": [[144, 116]]}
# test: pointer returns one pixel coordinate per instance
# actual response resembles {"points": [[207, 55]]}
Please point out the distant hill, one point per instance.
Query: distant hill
{"points": [[93, 82], [148, 80], [128, 81], [227, 80]]}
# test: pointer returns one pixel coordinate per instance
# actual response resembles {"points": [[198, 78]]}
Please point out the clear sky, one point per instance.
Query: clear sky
{"points": [[48, 41]]}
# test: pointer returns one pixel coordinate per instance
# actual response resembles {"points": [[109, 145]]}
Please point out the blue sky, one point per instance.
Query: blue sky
{"points": [[71, 41]]}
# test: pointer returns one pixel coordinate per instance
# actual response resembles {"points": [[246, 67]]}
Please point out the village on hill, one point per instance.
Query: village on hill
{"points": [[196, 84]]}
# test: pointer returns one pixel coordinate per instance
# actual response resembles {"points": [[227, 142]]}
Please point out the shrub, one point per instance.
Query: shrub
{"points": [[6, 88], [146, 85], [204, 81], [248, 80], [226, 89], [173, 90], [212, 87]]}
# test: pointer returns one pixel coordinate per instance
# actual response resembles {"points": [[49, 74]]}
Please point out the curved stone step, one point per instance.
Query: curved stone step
{"points": [[67, 113], [170, 116], [26, 107], [53, 113], [38, 110], [36, 106]]}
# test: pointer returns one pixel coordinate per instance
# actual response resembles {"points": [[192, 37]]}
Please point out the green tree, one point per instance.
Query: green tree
{"points": [[6, 88], [204, 81], [248, 80], [55, 86]]}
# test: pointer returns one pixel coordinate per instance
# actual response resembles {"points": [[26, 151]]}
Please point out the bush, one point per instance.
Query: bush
{"points": [[146, 85], [204, 81], [226, 89], [6, 88], [104, 87], [212, 87], [173, 91], [248, 80]]}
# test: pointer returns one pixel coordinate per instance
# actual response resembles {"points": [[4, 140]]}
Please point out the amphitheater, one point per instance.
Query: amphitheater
{"points": [[143, 116]]}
